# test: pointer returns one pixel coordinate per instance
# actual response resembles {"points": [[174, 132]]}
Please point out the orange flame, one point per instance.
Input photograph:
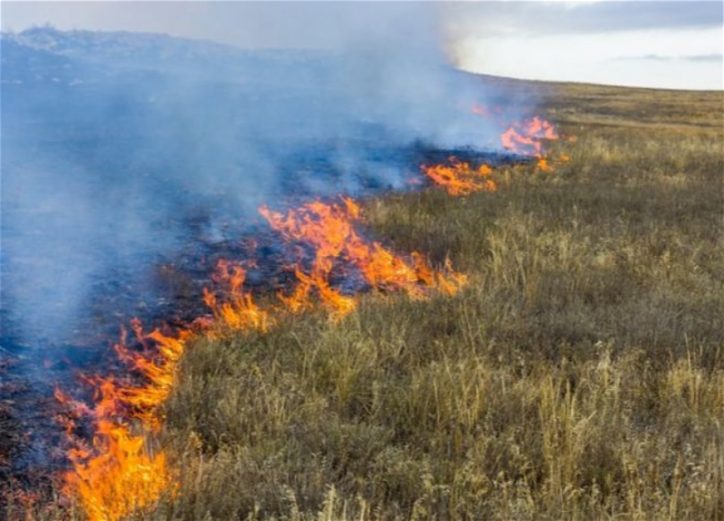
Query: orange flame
{"points": [[119, 473], [458, 178], [486, 111], [526, 138], [544, 165], [158, 370], [239, 311], [329, 230], [300, 299], [118, 476]]}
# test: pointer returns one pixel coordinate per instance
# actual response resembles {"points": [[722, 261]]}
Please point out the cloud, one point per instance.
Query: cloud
{"points": [[715, 58], [501, 18], [706, 58], [683, 58]]}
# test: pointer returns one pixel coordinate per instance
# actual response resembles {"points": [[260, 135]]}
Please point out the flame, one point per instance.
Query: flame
{"points": [[548, 164], [239, 311], [300, 299], [486, 111], [523, 137], [544, 165], [458, 178], [159, 372], [120, 472], [329, 230], [117, 474], [526, 137]]}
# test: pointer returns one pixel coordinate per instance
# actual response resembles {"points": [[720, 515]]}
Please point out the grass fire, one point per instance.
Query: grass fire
{"points": [[355, 283]]}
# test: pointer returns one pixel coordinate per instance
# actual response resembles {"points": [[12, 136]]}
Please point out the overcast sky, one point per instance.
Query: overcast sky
{"points": [[649, 43]]}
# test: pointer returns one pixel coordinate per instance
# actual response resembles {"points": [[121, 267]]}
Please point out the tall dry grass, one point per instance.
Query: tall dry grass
{"points": [[580, 376]]}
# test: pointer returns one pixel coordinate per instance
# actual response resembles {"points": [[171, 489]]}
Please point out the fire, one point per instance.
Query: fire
{"points": [[522, 137], [300, 299], [119, 473], [526, 138], [485, 111], [118, 476], [159, 375], [458, 178], [329, 230], [548, 163], [239, 311], [544, 165]]}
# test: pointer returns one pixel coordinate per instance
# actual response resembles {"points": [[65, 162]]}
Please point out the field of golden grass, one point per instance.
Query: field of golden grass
{"points": [[579, 376]]}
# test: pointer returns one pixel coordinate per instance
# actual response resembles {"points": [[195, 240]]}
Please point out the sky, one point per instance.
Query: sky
{"points": [[660, 44]]}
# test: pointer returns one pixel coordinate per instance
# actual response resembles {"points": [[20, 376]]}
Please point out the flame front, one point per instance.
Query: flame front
{"points": [[527, 137], [120, 473], [118, 476], [458, 178], [329, 230], [240, 311]]}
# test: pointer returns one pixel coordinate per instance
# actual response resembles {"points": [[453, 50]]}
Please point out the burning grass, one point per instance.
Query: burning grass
{"points": [[458, 178], [120, 474], [577, 375], [329, 229]]}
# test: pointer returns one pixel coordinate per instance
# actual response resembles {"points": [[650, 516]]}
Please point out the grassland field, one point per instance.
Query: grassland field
{"points": [[579, 376]]}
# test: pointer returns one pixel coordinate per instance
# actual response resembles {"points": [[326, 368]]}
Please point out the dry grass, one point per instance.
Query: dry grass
{"points": [[580, 376]]}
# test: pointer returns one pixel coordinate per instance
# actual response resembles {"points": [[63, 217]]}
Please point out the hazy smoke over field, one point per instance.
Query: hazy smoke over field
{"points": [[119, 148]]}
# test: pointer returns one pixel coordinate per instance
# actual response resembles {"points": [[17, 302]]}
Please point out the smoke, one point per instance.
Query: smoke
{"points": [[120, 148]]}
